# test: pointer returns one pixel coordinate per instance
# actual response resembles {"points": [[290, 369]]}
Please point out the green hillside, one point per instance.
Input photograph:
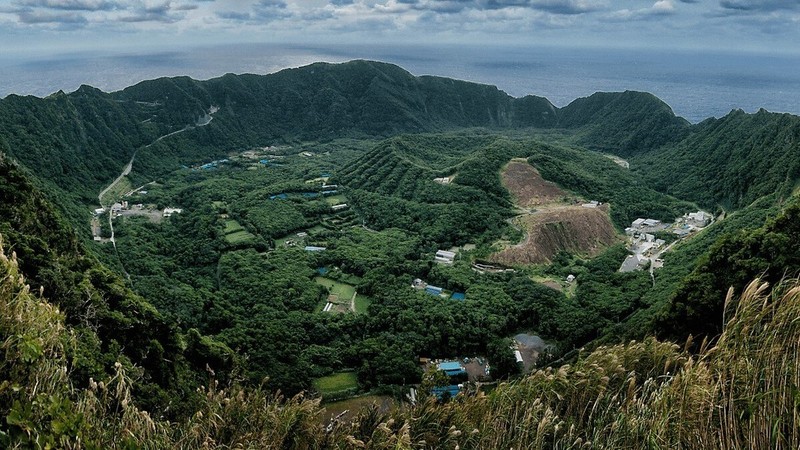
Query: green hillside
{"points": [[623, 123], [367, 177], [728, 162], [109, 323]]}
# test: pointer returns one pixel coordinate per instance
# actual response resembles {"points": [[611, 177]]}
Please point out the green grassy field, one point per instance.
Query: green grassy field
{"points": [[235, 233], [336, 383], [342, 290], [336, 199]]}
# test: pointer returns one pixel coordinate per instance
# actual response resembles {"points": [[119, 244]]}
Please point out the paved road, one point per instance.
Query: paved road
{"points": [[203, 121]]}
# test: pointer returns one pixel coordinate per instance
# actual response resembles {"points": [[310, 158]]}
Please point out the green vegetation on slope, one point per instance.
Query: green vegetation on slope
{"points": [[728, 162], [109, 321], [626, 396]]}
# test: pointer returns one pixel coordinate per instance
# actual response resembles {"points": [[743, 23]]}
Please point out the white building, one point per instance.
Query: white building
{"points": [[170, 211], [444, 256], [699, 219]]}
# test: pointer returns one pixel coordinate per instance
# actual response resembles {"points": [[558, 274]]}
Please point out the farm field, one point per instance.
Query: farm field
{"points": [[336, 199], [340, 294], [235, 232]]}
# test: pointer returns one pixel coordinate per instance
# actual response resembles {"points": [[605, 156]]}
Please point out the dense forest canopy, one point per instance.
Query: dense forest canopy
{"points": [[273, 227]]}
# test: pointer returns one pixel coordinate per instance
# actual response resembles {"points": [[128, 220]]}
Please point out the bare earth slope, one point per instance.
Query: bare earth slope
{"points": [[554, 226], [528, 187]]}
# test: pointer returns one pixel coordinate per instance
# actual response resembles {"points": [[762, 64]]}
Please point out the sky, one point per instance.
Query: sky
{"points": [[39, 28]]}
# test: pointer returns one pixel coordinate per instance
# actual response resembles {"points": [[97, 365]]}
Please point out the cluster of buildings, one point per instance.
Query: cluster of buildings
{"points": [[647, 248], [212, 165], [458, 372], [117, 209]]}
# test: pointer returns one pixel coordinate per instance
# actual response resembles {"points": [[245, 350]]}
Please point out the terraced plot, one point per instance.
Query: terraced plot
{"points": [[235, 232]]}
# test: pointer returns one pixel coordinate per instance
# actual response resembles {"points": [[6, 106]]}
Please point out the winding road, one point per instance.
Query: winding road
{"points": [[201, 122]]}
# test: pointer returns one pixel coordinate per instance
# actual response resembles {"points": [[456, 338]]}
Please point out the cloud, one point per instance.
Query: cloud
{"points": [[262, 11], [152, 12], [46, 17], [72, 5], [551, 6], [659, 9], [759, 5]]}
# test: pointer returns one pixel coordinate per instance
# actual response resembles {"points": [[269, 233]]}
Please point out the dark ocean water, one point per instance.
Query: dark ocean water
{"points": [[696, 85]]}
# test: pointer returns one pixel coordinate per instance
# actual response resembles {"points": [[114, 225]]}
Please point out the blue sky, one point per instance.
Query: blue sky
{"points": [[43, 27]]}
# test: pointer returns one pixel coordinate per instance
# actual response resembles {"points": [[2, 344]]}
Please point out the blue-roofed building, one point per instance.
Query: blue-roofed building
{"points": [[279, 197], [264, 161], [324, 175], [458, 296], [322, 270], [452, 368], [452, 389], [433, 290]]}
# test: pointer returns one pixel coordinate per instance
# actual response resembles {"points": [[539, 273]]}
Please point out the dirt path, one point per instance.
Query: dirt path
{"points": [[353, 301]]}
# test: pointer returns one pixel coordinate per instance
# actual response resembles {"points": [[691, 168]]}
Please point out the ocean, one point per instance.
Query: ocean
{"points": [[697, 85]]}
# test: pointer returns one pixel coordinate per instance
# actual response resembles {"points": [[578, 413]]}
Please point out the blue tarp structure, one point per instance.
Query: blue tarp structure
{"points": [[279, 196], [439, 392], [311, 248], [458, 296], [310, 194], [433, 290], [264, 161], [452, 368], [322, 270]]}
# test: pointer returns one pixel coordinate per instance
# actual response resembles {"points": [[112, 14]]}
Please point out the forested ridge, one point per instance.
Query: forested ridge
{"points": [[334, 185]]}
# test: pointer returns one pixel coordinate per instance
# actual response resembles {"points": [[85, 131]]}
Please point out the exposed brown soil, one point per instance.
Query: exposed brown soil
{"points": [[528, 187], [574, 229]]}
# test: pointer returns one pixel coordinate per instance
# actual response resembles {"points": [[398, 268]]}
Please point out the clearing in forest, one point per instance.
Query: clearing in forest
{"points": [[235, 232], [341, 298], [337, 383], [557, 223]]}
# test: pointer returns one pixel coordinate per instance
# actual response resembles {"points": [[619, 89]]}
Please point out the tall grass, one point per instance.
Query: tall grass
{"points": [[740, 392]]}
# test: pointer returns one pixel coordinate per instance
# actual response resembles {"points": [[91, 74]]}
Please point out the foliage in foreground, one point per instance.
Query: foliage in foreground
{"points": [[737, 393]]}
